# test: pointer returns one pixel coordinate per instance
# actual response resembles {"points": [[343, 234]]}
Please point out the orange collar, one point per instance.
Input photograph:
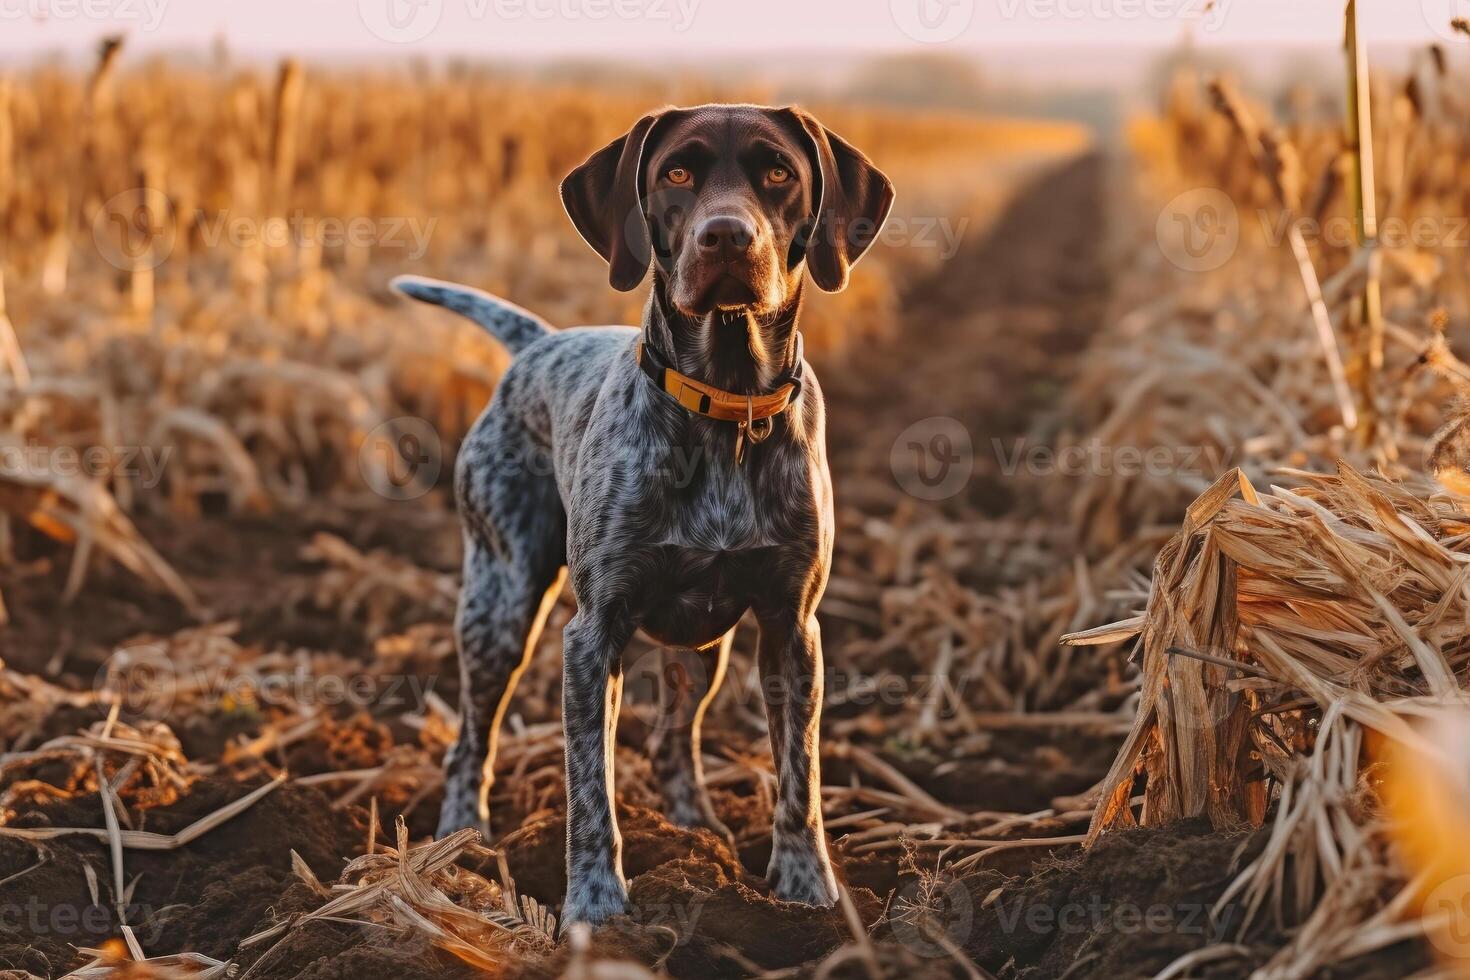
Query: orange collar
{"points": [[716, 403]]}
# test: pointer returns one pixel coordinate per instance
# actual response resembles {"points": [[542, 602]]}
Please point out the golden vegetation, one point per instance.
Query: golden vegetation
{"points": [[1314, 600], [196, 263]]}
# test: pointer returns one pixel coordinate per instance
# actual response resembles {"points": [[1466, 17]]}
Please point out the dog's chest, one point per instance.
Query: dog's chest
{"points": [[717, 506], [694, 596]]}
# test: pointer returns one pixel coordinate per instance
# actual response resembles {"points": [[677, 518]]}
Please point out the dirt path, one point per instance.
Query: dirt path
{"points": [[988, 341]]}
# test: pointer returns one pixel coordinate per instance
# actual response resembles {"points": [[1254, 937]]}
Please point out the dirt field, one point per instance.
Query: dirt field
{"points": [[991, 341]]}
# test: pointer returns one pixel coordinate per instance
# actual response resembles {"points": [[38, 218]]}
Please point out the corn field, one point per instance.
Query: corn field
{"points": [[1170, 683]]}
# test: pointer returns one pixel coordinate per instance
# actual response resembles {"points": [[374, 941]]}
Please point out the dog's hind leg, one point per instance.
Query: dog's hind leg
{"points": [[688, 681], [515, 547], [501, 611]]}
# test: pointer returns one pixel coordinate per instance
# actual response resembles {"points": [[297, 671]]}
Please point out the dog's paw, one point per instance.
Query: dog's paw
{"points": [[802, 875]]}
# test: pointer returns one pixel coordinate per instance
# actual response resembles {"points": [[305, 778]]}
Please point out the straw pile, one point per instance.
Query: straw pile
{"points": [[1281, 625], [419, 890], [1314, 600]]}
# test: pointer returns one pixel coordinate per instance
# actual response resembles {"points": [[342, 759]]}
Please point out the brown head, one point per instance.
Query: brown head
{"points": [[731, 203]]}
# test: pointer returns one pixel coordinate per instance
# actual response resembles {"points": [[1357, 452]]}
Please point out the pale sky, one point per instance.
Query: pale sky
{"points": [[397, 28]]}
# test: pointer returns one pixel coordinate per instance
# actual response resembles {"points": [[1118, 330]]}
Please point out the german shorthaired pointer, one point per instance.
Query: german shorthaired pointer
{"points": [[678, 470]]}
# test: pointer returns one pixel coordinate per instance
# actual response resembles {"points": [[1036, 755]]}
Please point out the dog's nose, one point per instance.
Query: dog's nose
{"points": [[724, 237]]}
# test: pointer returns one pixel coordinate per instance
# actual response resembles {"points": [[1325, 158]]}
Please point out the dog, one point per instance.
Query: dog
{"points": [[731, 206]]}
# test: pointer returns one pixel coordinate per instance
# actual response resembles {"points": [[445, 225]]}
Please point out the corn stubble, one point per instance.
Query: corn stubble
{"points": [[1310, 610], [1308, 620]]}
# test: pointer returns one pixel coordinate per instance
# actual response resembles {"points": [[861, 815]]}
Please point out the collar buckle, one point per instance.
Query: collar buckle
{"points": [[751, 430]]}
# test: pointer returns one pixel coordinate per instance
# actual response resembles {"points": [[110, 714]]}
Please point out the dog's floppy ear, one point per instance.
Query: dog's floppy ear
{"points": [[604, 199], [851, 201]]}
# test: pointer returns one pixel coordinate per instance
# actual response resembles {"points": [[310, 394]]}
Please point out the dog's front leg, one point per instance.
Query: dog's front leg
{"points": [[591, 688], [791, 668]]}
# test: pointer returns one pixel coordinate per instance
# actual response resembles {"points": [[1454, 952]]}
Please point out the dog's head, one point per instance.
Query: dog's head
{"points": [[732, 202]]}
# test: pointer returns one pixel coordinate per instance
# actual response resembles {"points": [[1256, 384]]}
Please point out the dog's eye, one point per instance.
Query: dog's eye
{"points": [[778, 175], [677, 175]]}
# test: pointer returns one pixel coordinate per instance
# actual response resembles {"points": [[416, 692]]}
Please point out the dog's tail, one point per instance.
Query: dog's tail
{"points": [[514, 327]]}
